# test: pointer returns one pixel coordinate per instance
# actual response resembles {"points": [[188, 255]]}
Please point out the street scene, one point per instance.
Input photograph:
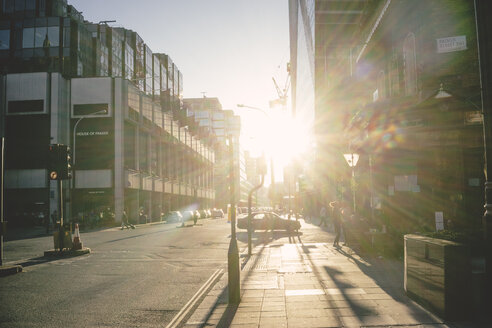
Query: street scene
{"points": [[246, 163]]}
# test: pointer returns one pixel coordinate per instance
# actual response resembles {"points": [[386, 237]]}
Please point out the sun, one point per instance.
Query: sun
{"points": [[278, 135]]}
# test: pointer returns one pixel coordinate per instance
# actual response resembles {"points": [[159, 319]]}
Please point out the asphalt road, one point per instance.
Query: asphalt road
{"points": [[132, 278]]}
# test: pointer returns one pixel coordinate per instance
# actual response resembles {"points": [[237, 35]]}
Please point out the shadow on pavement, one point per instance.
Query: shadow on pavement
{"points": [[387, 274], [266, 237]]}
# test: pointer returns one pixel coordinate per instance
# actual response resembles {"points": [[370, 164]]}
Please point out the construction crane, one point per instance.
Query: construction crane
{"points": [[282, 93]]}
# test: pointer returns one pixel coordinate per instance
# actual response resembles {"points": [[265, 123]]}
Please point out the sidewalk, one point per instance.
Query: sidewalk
{"points": [[314, 285]]}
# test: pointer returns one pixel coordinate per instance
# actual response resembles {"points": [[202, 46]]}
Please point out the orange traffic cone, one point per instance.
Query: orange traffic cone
{"points": [[77, 243]]}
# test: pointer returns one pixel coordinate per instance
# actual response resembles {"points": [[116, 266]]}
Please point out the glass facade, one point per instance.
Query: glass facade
{"points": [[116, 53], [41, 35], [163, 78], [156, 69], [148, 71], [147, 111], [129, 55], [4, 39], [305, 107]]}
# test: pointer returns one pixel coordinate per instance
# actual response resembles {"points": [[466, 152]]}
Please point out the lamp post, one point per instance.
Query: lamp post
{"points": [[352, 159], [233, 253]]}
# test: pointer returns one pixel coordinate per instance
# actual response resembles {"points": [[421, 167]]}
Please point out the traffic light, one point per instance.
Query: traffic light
{"points": [[59, 162]]}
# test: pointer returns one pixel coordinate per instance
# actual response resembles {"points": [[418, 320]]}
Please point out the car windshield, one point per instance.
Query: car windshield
{"points": [[259, 216]]}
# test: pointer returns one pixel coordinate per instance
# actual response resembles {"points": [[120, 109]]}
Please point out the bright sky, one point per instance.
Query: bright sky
{"points": [[229, 49]]}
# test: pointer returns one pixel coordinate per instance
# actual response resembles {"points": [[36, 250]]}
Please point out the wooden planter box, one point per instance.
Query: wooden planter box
{"points": [[438, 276]]}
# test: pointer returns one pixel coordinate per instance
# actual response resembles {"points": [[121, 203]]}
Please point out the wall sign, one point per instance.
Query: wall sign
{"points": [[454, 43], [439, 216]]}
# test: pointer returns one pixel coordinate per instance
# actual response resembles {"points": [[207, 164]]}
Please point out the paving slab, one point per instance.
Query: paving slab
{"points": [[315, 285]]}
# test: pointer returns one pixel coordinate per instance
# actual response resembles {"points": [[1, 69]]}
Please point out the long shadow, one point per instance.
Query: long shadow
{"points": [[228, 315], [389, 277], [266, 237], [375, 269]]}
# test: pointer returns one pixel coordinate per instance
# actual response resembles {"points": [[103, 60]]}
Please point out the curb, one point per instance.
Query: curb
{"points": [[189, 307], [69, 253], [6, 270]]}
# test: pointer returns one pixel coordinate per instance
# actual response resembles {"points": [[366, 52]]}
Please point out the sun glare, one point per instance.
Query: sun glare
{"points": [[279, 136]]}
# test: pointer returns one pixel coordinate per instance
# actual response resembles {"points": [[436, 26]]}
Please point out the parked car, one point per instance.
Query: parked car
{"points": [[268, 221], [217, 213], [173, 216]]}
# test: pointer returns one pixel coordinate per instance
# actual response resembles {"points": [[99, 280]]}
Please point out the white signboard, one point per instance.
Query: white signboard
{"points": [[439, 221], [454, 43]]}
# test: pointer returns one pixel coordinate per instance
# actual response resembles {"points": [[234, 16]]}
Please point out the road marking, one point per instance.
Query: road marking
{"points": [[183, 313]]}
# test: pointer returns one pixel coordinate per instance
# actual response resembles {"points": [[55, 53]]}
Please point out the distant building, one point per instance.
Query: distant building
{"points": [[102, 91], [208, 113]]}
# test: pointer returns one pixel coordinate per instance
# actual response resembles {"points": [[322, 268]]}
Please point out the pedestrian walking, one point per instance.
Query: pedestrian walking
{"points": [[54, 217], [322, 216], [125, 223], [337, 221]]}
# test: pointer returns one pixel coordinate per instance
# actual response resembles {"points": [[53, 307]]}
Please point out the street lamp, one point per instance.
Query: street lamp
{"points": [[352, 159]]}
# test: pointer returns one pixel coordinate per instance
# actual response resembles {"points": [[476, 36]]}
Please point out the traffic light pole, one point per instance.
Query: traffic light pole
{"points": [[61, 232], [2, 223]]}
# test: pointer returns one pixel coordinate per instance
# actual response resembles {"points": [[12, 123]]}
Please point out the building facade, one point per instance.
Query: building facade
{"points": [[225, 126], [396, 82], [102, 91]]}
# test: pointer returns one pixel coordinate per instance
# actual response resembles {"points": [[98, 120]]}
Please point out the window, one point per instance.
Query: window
{"points": [[54, 36], [20, 5], [89, 109], [28, 37], [41, 37], [4, 39], [410, 65], [8, 6], [30, 4], [25, 106]]}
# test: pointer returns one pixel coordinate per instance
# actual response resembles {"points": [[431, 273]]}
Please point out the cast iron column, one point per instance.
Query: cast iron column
{"points": [[483, 8]]}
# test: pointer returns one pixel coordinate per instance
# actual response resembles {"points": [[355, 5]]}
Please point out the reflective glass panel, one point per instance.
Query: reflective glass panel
{"points": [[20, 5], [54, 36], [40, 36], [4, 39], [28, 37], [8, 6], [30, 4]]}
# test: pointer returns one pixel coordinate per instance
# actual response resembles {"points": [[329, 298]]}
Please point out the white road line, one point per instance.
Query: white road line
{"points": [[183, 313]]}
